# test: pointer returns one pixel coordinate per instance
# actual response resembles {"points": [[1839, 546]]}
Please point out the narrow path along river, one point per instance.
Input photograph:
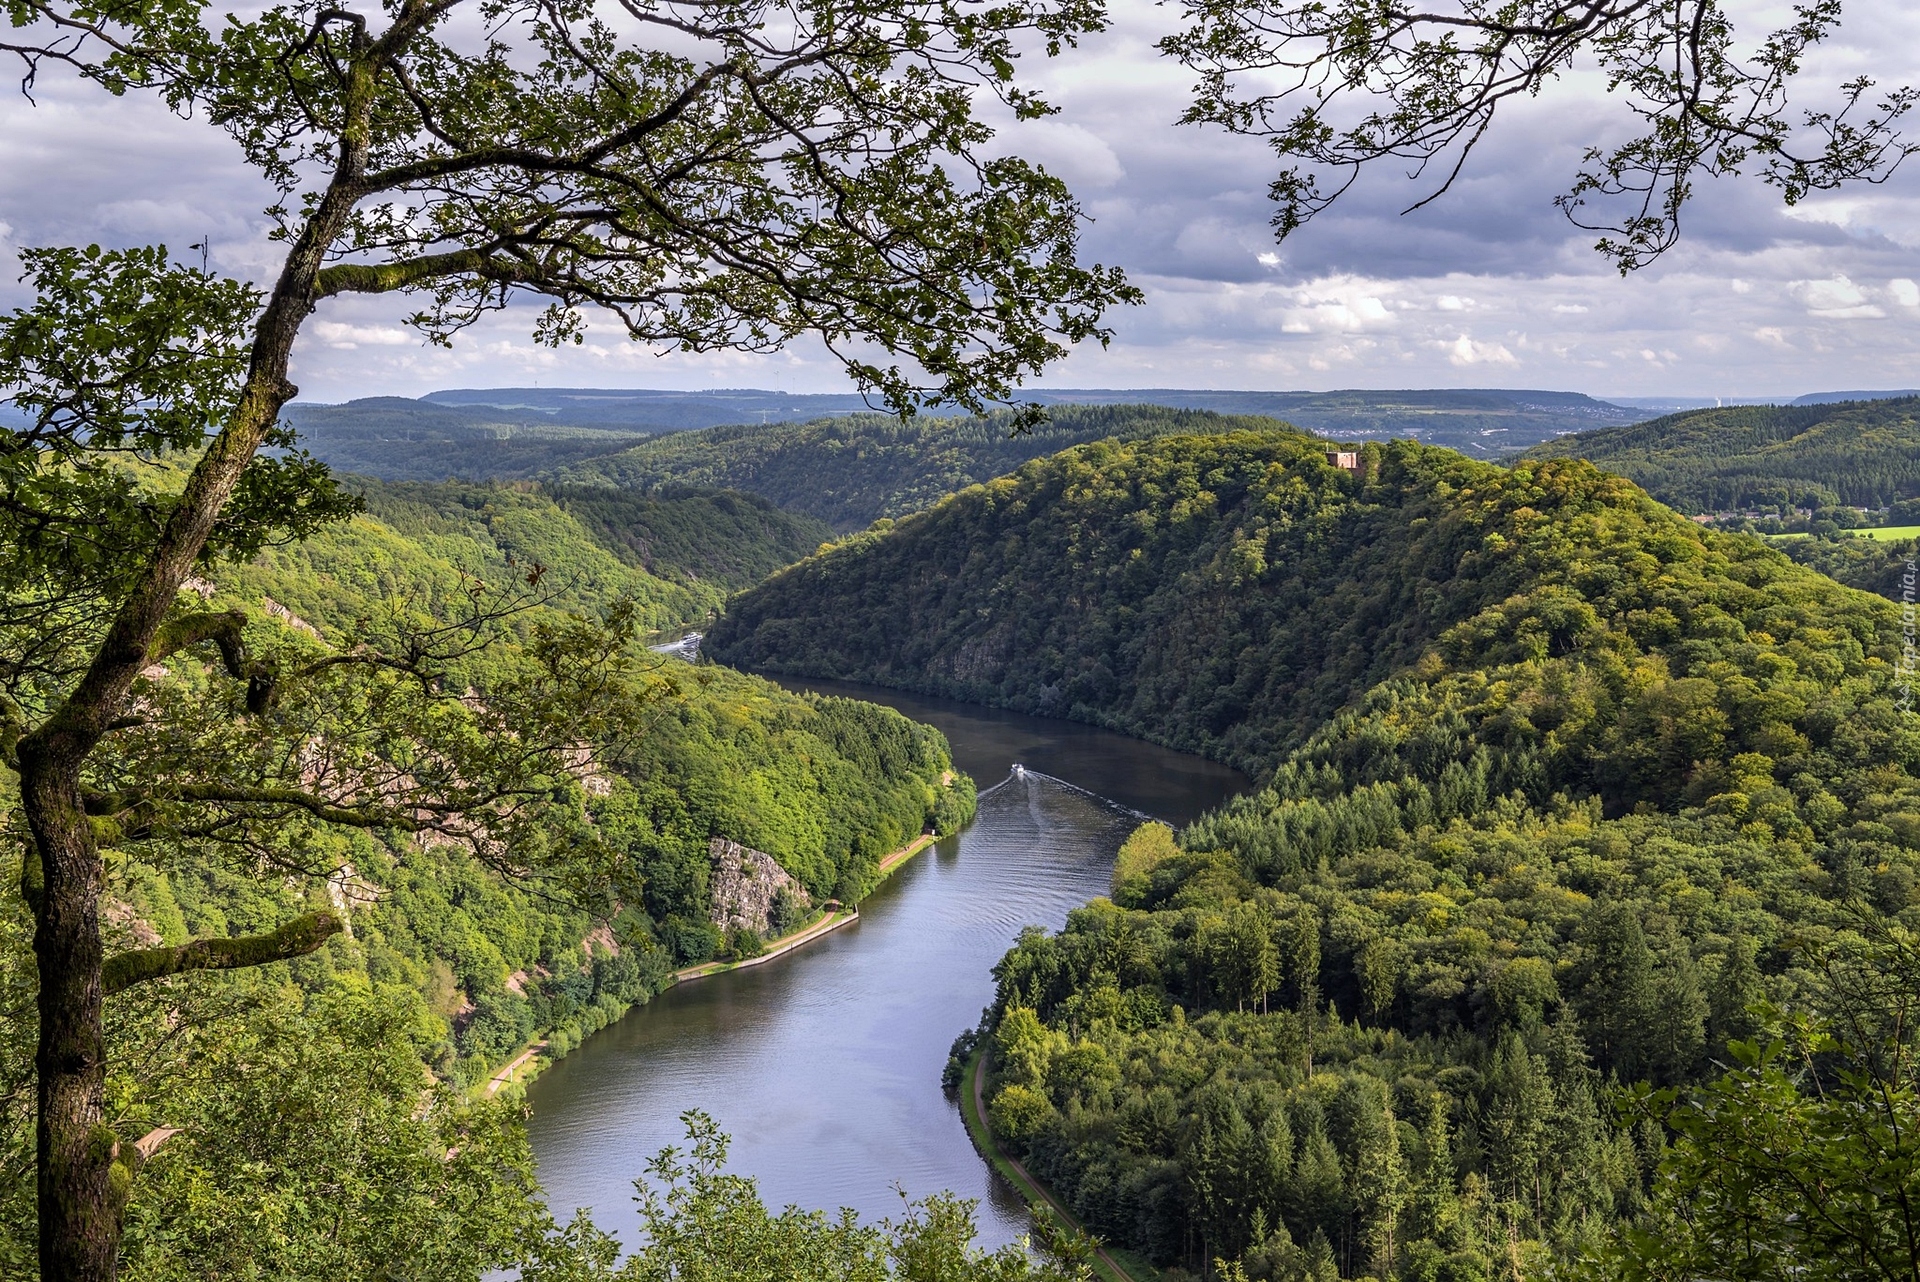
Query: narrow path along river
{"points": [[824, 1065]]}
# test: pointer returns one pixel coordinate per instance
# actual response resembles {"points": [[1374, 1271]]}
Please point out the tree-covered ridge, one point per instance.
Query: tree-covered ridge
{"points": [[1765, 457], [826, 786], [1872, 565], [722, 538], [299, 1088], [1376, 1019], [396, 439], [521, 433], [674, 554], [853, 470], [1229, 594]]}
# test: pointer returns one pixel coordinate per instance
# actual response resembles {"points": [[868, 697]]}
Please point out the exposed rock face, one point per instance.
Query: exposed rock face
{"points": [[745, 882]]}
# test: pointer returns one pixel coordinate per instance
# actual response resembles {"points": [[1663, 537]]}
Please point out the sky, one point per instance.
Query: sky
{"points": [[1488, 287]]}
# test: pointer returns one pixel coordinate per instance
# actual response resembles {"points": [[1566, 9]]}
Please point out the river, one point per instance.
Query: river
{"points": [[824, 1065]]}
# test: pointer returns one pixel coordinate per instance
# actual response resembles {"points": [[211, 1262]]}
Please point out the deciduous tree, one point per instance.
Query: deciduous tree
{"points": [[712, 175], [1337, 87]]}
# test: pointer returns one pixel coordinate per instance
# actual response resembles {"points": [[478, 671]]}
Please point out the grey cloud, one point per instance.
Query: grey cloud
{"points": [[1756, 301]]}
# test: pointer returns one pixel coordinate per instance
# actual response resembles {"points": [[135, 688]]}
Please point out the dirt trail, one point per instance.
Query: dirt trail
{"points": [[505, 1075]]}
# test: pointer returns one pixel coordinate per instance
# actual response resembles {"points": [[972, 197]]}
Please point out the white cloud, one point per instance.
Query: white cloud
{"points": [[1835, 299], [1836, 211], [1465, 351], [1904, 292], [349, 338], [1571, 309], [1069, 151]]}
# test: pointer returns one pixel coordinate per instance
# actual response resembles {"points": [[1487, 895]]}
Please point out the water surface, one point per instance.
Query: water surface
{"points": [[824, 1065]]}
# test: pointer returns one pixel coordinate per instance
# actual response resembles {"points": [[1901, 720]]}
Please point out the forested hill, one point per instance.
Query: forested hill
{"points": [[1561, 790], [1857, 453], [1227, 594], [851, 471], [397, 439], [721, 538], [675, 553], [309, 1093], [517, 433]]}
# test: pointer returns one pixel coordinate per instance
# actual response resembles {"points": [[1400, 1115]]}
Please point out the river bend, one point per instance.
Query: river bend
{"points": [[824, 1065]]}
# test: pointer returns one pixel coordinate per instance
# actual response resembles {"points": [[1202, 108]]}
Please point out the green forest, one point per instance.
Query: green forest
{"points": [[297, 1088], [1565, 800], [397, 439], [674, 555], [1221, 594], [854, 470], [1769, 458], [1567, 934], [720, 538], [525, 433]]}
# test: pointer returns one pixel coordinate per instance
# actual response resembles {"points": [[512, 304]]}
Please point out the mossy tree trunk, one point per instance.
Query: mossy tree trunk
{"points": [[85, 1171]]}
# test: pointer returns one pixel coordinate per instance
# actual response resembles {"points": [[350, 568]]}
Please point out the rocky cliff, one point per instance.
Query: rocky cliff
{"points": [[746, 883]]}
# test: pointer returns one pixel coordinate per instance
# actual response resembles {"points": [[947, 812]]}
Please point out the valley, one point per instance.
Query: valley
{"points": [[1516, 770], [826, 1065], [1350, 839]]}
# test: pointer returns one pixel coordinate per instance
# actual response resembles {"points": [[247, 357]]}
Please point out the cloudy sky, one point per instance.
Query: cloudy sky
{"points": [[1488, 287]]}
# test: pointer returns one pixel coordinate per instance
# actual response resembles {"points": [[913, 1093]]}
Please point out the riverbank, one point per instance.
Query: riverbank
{"points": [[530, 1059], [505, 1077], [1111, 1264], [811, 931], [775, 948]]}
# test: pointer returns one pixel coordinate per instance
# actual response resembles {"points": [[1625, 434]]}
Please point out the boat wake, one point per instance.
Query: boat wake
{"points": [[1022, 774]]}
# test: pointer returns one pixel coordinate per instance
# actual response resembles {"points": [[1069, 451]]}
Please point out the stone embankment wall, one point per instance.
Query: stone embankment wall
{"points": [[745, 882]]}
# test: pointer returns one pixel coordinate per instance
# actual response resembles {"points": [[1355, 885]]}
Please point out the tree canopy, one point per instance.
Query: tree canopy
{"points": [[1561, 794], [1338, 87], [711, 176], [1771, 458]]}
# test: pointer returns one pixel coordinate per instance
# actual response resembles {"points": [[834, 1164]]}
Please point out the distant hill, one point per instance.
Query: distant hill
{"points": [[639, 409], [1858, 453], [1827, 398], [396, 439], [852, 471], [718, 538], [676, 554], [1483, 422], [510, 433]]}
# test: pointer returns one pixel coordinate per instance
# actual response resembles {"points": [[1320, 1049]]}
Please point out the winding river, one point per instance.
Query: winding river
{"points": [[825, 1065]]}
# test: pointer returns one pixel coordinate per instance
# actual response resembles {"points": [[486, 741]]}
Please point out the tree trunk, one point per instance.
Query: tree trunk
{"points": [[75, 1149], [83, 1177]]}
